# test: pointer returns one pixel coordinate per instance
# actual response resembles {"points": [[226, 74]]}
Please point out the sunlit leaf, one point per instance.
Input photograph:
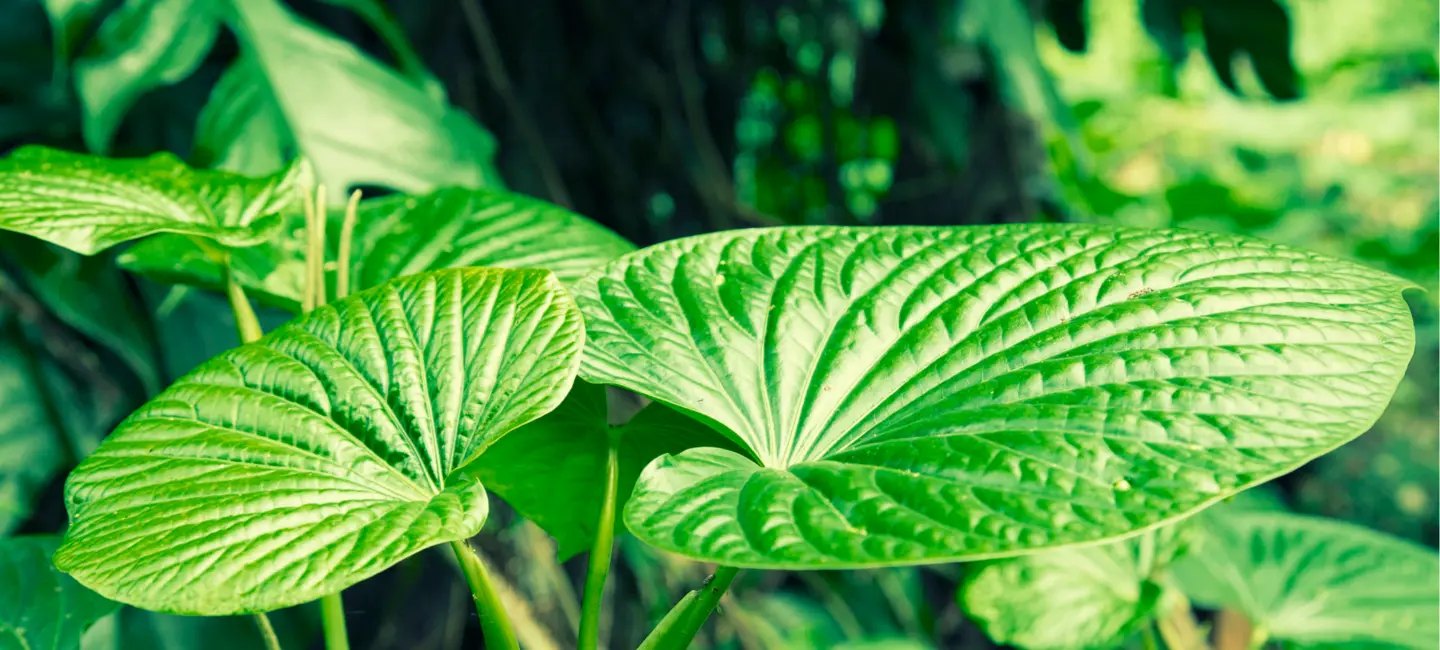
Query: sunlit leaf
{"points": [[1316, 582], [88, 203], [552, 471], [1087, 597], [41, 608], [309, 83], [327, 451], [397, 236], [912, 395], [143, 45]]}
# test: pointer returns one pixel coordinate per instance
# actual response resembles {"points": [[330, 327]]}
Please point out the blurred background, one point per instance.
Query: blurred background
{"points": [[1308, 122]]}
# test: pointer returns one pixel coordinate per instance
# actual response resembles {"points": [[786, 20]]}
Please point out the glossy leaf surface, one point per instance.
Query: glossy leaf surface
{"points": [[1087, 597], [1316, 582], [552, 471], [88, 203], [405, 139], [911, 395], [41, 608], [397, 236], [332, 448]]}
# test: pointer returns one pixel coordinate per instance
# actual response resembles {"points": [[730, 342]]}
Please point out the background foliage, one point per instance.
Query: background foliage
{"points": [[1309, 122]]}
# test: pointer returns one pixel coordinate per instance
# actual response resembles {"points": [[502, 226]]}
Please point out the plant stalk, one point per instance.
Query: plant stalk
{"points": [[600, 553], [332, 619], [679, 627], [246, 323], [499, 635], [267, 632], [347, 235]]}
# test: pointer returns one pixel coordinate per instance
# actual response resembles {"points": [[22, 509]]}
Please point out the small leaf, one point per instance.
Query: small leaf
{"points": [[1316, 582], [551, 471], [397, 236], [88, 203], [41, 608], [1087, 597], [918, 395], [404, 139], [144, 45], [325, 452]]}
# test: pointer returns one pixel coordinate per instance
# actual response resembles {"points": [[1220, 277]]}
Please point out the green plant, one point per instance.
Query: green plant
{"points": [[823, 397]]}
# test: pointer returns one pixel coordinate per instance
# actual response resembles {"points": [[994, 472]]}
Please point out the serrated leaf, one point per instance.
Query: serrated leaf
{"points": [[1316, 582], [552, 471], [915, 395], [325, 452], [1074, 598], [143, 45], [41, 608], [89, 203], [397, 236], [405, 139]]}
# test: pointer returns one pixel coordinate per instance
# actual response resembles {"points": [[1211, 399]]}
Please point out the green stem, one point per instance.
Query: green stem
{"points": [[332, 619], [267, 632], [600, 553], [347, 235], [246, 323], [1147, 635], [499, 635], [679, 627]]}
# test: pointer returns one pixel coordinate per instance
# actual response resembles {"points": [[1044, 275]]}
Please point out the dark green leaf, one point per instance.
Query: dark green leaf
{"points": [[32, 444], [136, 629], [1316, 582], [68, 21], [552, 470], [241, 129], [88, 203], [41, 608], [327, 451], [144, 45], [404, 138], [397, 236], [914, 395], [1087, 597]]}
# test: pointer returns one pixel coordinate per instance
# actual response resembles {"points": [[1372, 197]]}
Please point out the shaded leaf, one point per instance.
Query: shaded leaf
{"points": [[323, 453], [143, 45], [1316, 582], [912, 395], [552, 470], [32, 445], [1087, 597], [397, 236], [88, 203], [41, 608], [405, 139], [137, 629], [241, 129], [68, 21]]}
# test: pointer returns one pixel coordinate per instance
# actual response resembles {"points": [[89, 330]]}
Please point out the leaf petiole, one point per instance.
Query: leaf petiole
{"points": [[599, 568], [267, 631], [332, 619], [679, 627], [499, 634]]}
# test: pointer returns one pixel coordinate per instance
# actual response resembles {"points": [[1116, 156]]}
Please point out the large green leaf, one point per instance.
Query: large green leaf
{"points": [[309, 82], [1316, 582], [1086, 597], [144, 45], [552, 470], [88, 203], [325, 452], [397, 236], [41, 608], [911, 395]]}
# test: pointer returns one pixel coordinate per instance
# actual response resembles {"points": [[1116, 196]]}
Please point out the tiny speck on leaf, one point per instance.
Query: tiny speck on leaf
{"points": [[1121, 485]]}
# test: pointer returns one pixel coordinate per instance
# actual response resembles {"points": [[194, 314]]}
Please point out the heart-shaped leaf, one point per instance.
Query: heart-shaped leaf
{"points": [[1072, 598], [41, 608], [88, 203], [912, 395], [328, 450], [306, 82], [1316, 582], [397, 236], [552, 470]]}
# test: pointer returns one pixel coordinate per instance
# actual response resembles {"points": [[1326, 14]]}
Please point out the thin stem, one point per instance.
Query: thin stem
{"points": [[1147, 636], [315, 261], [332, 619], [347, 235], [267, 632], [600, 553], [499, 635], [246, 323], [307, 301], [679, 627]]}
